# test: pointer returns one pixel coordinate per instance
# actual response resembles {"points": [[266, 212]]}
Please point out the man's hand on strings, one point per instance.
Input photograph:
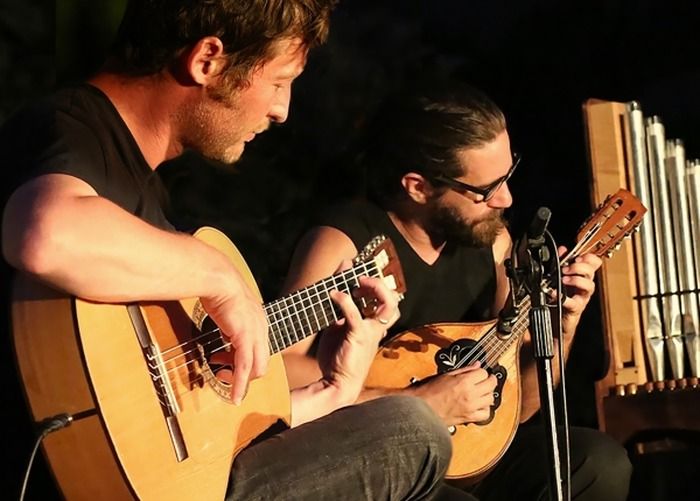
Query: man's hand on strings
{"points": [[347, 349], [240, 317]]}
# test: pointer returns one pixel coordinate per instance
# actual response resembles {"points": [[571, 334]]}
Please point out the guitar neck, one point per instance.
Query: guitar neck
{"points": [[311, 309]]}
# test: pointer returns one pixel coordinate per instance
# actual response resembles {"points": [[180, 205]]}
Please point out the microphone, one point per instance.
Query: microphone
{"points": [[533, 240], [538, 225], [524, 266]]}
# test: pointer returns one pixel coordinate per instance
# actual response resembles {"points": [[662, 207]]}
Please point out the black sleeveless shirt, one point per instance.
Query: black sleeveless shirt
{"points": [[459, 286]]}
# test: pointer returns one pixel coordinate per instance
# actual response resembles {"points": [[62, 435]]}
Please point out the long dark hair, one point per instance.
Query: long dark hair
{"points": [[421, 130]]}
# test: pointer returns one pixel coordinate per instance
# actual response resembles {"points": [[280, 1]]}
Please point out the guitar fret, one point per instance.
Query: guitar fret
{"points": [[281, 328], [273, 321], [305, 328], [290, 327], [320, 303], [288, 322], [309, 310], [312, 306], [327, 293]]}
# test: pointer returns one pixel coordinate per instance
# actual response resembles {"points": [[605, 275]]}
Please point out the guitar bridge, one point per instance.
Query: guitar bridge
{"points": [[161, 382]]}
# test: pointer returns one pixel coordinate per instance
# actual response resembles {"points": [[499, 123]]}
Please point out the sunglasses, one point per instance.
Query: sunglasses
{"points": [[483, 193]]}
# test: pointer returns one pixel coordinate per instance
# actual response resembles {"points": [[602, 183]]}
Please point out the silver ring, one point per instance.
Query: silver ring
{"points": [[382, 320]]}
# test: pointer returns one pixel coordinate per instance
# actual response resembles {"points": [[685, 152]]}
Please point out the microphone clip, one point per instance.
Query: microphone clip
{"points": [[529, 257]]}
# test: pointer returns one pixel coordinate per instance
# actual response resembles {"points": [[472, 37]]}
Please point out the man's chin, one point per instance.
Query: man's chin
{"points": [[226, 158], [486, 232]]}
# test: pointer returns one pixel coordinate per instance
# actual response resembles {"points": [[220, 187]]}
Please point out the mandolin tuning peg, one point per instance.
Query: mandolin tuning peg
{"points": [[608, 253]]}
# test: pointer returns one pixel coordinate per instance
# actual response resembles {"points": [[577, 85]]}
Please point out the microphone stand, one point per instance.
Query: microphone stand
{"points": [[530, 253]]}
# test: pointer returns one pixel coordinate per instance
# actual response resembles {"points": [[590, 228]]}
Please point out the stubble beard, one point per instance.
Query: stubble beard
{"points": [[226, 146], [446, 224]]}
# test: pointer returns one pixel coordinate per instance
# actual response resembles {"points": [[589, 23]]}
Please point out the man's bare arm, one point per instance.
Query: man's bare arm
{"points": [[56, 228]]}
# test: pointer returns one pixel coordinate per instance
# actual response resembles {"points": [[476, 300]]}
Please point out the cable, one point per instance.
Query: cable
{"points": [[46, 426], [565, 442]]}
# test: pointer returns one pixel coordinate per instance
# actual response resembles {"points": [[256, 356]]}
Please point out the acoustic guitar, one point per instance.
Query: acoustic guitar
{"points": [[418, 354], [151, 420]]}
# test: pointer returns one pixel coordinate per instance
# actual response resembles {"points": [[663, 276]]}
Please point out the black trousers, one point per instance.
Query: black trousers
{"points": [[392, 448], [600, 469]]}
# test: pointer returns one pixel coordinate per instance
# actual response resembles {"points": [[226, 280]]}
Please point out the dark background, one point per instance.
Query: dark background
{"points": [[539, 60]]}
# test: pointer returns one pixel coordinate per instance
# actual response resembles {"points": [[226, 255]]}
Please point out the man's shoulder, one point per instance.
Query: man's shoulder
{"points": [[76, 106], [355, 208]]}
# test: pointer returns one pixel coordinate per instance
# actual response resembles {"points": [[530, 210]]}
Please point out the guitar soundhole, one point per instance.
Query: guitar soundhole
{"points": [[459, 354], [214, 369]]}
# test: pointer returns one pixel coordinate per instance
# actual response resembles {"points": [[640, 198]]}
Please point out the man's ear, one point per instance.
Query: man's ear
{"points": [[417, 187], [205, 60]]}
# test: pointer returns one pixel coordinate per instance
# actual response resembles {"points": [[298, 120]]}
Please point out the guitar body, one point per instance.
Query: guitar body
{"points": [[410, 358], [85, 359]]}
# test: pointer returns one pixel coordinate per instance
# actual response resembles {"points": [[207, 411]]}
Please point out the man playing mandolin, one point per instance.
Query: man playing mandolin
{"points": [[84, 216], [437, 163]]}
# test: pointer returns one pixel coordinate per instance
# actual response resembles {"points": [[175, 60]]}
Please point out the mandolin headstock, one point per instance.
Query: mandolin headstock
{"points": [[613, 221]]}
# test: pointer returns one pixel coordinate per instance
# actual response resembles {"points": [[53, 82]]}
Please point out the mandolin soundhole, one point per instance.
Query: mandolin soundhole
{"points": [[462, 353]]}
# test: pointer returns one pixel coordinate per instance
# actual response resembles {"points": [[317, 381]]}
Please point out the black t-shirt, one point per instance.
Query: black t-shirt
{"points": [[76, 131], [459, 286]]}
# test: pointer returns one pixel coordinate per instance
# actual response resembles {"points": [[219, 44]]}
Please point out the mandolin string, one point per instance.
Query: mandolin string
{"points": [[491, 337], [521, 322], [491, 340], [485, 345]]}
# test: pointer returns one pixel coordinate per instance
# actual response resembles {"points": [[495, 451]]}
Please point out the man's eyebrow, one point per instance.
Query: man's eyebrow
{"points": [[290, 74]]}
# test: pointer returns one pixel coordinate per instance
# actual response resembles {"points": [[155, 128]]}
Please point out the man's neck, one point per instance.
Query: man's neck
{"points": [[147, 106], [415, 233]]}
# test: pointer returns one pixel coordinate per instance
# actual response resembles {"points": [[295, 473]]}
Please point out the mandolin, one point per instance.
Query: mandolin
{"points": [[420, 353]]}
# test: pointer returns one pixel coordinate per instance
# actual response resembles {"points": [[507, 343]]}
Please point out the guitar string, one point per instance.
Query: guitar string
{"points": [[370, 269], [205, 376], [326, 307], [208, 376], [284, 310]]}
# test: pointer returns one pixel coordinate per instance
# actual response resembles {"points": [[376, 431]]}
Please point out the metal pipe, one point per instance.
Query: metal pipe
{"points": [[648, 278], [668, 274]]}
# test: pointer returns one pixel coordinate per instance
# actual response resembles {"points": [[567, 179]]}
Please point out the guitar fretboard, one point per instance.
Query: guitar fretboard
{"points": [[308, 310]]}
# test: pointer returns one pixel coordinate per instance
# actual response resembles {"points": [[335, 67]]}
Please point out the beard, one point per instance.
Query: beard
{"points": [[208, 128], [447, 224]]}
